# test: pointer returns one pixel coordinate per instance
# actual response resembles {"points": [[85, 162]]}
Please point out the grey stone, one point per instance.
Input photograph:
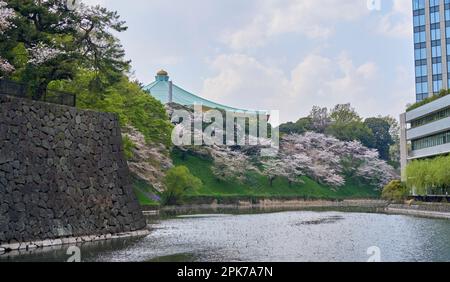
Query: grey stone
{"points": [[62, 173]]}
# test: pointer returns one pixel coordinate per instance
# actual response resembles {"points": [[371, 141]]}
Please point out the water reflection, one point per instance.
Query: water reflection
{"points": [[276, 236]]}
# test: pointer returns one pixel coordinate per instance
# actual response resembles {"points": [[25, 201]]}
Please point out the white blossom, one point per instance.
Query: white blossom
{"points": [[230, 164], [42, 53], [6, 15], [5, 67], [332, 160], [323, 158]]}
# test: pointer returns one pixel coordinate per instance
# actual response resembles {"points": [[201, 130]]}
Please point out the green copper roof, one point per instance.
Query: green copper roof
{"points": [[160, 90]]}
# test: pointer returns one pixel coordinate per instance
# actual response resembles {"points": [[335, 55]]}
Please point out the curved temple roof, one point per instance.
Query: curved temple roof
{"points": [[160, 89]]}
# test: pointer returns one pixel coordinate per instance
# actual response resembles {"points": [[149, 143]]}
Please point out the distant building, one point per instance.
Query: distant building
{"points": [[167, 92], [425, 131], [431, 46]]}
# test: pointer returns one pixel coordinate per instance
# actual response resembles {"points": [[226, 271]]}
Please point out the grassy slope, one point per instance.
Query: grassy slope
{"points": [[260, 187], [142, 191]]}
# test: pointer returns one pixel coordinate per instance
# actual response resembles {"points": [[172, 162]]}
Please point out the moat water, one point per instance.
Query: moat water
{"points": [[273, 236]]}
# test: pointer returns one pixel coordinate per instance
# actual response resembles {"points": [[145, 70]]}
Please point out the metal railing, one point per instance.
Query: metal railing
{"points": [[8, 87], [22, 90]]}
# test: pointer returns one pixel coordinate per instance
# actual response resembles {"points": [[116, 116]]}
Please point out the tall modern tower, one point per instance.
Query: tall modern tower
{"points": [[431, 46], [425, 128]]}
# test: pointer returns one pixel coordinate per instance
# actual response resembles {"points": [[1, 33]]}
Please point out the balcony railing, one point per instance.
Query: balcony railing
{"points": [[22, 90]]}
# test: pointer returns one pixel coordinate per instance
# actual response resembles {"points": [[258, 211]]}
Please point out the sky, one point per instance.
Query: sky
{"points": [[285, 55]]}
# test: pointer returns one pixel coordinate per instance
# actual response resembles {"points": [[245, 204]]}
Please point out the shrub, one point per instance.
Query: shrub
{"points": [[125, 98], [178, 182], [395, 191], [429, 176], [441, 94], [128, 147]]}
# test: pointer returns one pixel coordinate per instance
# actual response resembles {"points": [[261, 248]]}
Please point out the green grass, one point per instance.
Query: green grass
{"points": [[142, 190], [258, 185]]}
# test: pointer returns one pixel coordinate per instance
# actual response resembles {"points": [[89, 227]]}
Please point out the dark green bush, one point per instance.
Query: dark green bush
{"points": [[178, 182], [395, 191], [441, 94]]}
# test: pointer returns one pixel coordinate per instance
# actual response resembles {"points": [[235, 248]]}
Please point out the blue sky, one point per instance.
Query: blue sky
{"points": [[285, 55]]}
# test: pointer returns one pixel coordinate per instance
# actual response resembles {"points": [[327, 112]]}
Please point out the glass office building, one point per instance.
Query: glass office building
{"points": [[425, 131], [431, 46]]}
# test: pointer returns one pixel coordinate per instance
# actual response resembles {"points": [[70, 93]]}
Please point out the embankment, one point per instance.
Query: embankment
{"points": [[434, 210], [273, 204], [62, 174]]}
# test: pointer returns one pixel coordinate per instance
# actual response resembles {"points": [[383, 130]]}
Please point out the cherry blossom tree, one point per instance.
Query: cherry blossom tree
{"points": [[230, 164], [273, 168], [58, 37], [323, 158], [333, 160], [6, 17]]}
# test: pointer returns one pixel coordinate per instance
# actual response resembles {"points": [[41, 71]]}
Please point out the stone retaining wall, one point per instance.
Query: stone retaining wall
{"points": [[433, 207], [62, 174]]}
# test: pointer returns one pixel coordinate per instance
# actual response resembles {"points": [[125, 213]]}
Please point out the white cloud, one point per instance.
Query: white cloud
{"points": [[398, 21], [317, 80], [242, 80], [94, 2], [315, 19]]}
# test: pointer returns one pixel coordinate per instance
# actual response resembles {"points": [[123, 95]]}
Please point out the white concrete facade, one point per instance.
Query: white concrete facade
{"points": [[408, 135]]}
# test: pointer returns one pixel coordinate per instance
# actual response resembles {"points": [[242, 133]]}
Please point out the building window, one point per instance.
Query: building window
{"points": [[436, 34], [434, 3], [418, 4], [431, 141], [420, 37], [419, 20], [445, 113], [436, 51], [422, 71], [437, 68], [422, 90], [420, 54], [434, 17], [437, 86]]}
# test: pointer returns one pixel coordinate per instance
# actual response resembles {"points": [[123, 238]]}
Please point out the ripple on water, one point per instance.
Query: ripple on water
{"points": [[325, 220], [282, 236]]}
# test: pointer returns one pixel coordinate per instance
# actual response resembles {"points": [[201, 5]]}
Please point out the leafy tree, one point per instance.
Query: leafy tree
{"points": [[394, 149], [382, 139], [6, 17], [344, 113], [429, 176], [347, 125], [395, 191], [134, 106], [128, 147], [56, 40], [352, 131], [178, 181], [301, 126], [319, 118]]}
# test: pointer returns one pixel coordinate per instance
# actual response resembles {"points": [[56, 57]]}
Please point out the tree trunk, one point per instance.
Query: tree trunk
{"points": [[271, 179]]}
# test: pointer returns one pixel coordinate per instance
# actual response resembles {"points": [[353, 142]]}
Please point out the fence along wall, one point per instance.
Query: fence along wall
{"points": [[12, 88], [62, 173]]}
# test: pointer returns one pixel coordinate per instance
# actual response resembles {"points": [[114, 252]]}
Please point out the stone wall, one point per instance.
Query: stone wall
{"points": [[62, 173]]}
